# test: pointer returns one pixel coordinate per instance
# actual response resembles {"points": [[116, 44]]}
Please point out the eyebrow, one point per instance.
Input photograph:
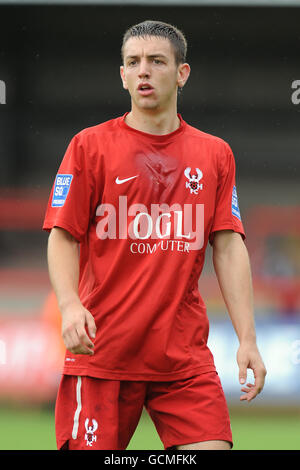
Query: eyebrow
{"points": [[151, 56]]}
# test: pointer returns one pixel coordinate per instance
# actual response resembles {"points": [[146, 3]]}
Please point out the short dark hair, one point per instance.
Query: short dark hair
{"points": [[159, 29]]}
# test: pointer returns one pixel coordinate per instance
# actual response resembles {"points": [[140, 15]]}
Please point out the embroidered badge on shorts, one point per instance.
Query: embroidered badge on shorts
{"points": [[234, 204], [61, 189]]}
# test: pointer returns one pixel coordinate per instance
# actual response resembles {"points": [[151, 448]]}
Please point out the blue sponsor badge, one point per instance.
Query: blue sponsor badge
{"points": [[234, 204], [61, 189]]}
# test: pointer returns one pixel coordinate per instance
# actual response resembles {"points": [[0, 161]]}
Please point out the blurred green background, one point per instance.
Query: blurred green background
{"points": [[33, 429]]}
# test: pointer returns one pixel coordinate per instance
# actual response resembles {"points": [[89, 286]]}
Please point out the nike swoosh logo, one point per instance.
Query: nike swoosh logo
{"points": [[118, 181]]}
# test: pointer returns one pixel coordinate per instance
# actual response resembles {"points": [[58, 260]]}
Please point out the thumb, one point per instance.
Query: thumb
{"points": [[91, 325], [242, 372]]}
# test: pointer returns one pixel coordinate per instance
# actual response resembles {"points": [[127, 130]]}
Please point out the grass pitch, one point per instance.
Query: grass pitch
{"points": [[33, 429]]}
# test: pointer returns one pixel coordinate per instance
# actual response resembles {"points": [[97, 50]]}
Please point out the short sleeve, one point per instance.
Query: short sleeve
{"points": [[73, 193], [227, 213]]}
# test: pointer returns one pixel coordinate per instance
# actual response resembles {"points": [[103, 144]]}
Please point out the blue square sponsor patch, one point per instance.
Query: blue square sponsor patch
{"points": [[234, 204], [61, 189]]}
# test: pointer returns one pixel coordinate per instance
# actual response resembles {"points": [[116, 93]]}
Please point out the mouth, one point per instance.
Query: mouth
{"points": [[145, 89]]}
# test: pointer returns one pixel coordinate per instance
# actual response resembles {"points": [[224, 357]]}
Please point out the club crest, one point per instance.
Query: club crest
{"points": [[90, 430], [193, 180]]}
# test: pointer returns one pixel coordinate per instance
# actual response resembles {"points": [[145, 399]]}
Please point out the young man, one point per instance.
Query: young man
{"points": [[134, 204]]}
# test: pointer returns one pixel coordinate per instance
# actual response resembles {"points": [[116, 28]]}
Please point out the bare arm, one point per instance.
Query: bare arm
{"points": [[63, 264], [232, 266]]}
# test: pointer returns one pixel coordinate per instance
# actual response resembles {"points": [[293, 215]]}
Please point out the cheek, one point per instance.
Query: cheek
{"points": [[168, 85], [129, 82]]}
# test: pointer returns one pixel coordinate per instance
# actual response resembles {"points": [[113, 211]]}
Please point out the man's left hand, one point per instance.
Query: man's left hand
{"points": [[248, 357]]}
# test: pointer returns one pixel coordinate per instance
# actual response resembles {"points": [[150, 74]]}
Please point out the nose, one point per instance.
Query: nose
{"points": [[144, 69]]}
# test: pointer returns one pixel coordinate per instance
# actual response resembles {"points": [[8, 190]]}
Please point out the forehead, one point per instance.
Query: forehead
{"points": [[148, 45]]}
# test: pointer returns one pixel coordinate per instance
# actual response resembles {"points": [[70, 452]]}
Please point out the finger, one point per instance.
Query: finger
{"points": [[243, 397], [85, 344], [83, 336], [70, 339], [250, 394], [85, 340], [250, 386], [74, 344], [247, 396], [259, 379], [257, 387], [91, 325], [81, 350], [245, 390]]}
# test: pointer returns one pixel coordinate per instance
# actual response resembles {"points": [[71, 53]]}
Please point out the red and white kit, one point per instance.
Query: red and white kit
{"points": [[143, 208]]}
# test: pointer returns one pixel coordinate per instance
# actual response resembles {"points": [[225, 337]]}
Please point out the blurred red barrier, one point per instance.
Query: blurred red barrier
{"points": [[22, 209], [30, 360], [273, 240]]}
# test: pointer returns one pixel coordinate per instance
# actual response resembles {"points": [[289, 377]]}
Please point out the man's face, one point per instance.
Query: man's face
{"points": [[150, 73]]}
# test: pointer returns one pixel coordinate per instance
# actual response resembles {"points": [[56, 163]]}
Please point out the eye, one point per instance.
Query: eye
{"points": [[157, 61]]}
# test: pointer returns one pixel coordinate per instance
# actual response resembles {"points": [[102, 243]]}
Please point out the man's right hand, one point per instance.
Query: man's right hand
{"points": [[77, 338]]}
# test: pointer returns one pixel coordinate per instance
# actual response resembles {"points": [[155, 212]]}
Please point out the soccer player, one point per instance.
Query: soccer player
{"points": [[133, 206]]}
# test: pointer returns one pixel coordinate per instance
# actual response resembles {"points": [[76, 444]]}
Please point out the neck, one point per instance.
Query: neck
{"points": [[152, 121]]}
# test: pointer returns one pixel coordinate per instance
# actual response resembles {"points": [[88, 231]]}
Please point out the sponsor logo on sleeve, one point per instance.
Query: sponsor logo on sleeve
{"points": [[61, 189], [234, 204]]}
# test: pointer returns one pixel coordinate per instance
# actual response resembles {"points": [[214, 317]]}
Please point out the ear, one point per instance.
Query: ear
{"points": [[183, 74], [123, 77]]}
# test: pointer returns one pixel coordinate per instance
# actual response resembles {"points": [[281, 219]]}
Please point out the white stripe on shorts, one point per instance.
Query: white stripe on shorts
{"points": [[78, 409]]}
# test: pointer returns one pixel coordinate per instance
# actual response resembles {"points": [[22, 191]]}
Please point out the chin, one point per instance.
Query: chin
{"points": [[148, 105]]}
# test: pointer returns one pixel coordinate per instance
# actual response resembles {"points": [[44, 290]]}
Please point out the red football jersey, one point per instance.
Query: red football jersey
{"points": [[143, 208]]}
